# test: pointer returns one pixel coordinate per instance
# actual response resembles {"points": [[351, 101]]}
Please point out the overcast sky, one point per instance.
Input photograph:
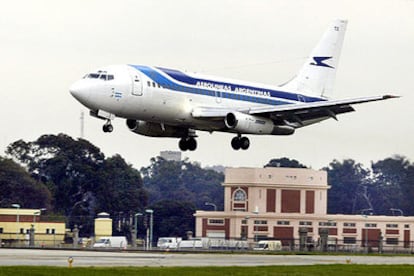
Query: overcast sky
{"points": [[47, 45]]}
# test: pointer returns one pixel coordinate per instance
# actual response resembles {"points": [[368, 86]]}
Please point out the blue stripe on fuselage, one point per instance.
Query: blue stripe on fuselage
{"points": [[165, 82], [180, 76]]}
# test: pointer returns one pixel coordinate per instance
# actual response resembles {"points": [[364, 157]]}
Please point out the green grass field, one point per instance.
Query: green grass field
{"points": [[336, 270]]}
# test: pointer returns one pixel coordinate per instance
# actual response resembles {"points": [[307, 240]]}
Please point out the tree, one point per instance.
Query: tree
{"points": [[173, 218], [80, 179], [284, 163], [393, 178], [182, 181], [349, 192], [16, 186]]}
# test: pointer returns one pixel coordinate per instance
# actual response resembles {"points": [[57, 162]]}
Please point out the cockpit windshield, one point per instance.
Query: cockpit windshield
{"points": [[102, 75]]}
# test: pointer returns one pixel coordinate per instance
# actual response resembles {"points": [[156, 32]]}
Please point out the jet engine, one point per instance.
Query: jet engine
{"points": [[250, 124], [155, 130]]}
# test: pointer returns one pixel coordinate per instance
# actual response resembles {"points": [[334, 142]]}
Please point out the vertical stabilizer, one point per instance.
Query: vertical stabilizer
{"points": [[317, 75]]}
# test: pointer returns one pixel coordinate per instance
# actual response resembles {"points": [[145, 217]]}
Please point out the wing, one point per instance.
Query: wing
{"points": [[301, 113], [295, 114]]}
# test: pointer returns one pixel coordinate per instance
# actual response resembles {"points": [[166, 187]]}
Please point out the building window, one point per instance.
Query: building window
{"points": [[327, 223], [393, 241], [239, 200], [239, 195], [27, 231], [262, 222], [392, 225], [370, 225], [244, 221], [349, 224], [216, 221], [21, 230], [305, 222], [407, 226], [349, 240], [53, 231], [283, 222], [47, 231], [1, 230]]}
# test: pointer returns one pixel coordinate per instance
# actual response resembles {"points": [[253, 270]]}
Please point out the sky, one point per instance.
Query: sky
{"points": [[47, 45]]}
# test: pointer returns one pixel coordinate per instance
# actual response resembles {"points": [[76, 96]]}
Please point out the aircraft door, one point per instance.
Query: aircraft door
{"points": [[136, 84]]}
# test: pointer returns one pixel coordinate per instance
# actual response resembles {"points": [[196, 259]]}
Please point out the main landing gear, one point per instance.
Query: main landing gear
{"points": [[107, 127], [187, 143], [240, 142]]}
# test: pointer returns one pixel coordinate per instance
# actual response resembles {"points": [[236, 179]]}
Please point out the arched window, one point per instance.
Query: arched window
{"points": [[239, 195], [239, 200]]}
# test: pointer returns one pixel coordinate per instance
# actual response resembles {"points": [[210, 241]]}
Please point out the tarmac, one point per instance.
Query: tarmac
{"points": [[41, 257]]}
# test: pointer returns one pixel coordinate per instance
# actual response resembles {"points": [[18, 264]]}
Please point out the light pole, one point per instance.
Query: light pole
{"points": [[17, 206], [151, 212], [366, 233], [256, 212], [211, 204], [247, 223], [37, 213], [136, 225], [397, 210]]}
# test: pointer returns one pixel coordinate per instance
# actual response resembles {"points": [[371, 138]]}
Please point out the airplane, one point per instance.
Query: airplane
{"points": [[161, 102]]}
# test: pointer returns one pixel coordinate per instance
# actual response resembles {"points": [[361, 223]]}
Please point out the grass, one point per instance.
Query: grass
{"points": [[337, 270]]}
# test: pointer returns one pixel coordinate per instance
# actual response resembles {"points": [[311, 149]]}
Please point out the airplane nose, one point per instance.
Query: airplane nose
{"points": [[79, 91]]}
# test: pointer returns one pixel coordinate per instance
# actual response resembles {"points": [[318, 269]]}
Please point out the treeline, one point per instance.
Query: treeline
{"points": [[73, 178], [386, 188]]}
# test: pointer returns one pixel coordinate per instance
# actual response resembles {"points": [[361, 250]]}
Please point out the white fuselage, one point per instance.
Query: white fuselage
{"points": [[170, 97]]}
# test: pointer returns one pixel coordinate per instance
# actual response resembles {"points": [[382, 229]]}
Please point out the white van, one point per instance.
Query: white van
{"points": [[168, 242], [111, 242], [268, 245]]}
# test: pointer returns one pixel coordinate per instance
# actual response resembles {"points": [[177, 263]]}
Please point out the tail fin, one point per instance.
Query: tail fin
{"points": [[317, 75]]}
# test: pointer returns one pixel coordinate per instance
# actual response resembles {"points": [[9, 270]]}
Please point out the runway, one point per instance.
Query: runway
{"points": [[33, 257]]}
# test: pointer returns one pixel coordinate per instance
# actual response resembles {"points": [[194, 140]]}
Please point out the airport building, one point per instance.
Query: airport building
{"points": [[18, 225], [288, 204]]}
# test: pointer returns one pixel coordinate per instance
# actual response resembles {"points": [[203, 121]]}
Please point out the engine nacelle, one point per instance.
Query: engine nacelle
{"points": [[155, 130], [250, 124]]}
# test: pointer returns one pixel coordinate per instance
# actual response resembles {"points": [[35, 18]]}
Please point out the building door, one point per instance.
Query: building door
{"points": [[370, 237], [284, 234]]}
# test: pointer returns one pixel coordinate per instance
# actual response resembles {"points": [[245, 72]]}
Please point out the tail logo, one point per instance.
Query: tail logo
{"points": [[319, 61]]}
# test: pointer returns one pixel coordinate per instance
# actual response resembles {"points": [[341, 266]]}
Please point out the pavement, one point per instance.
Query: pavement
{"points": [[37, 257]]}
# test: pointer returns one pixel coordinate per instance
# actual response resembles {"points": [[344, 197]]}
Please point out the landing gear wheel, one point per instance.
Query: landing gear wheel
{"points": [[235, 143], [244, 143], [239, 142], [182, 144], [188, 143], [107, 128], [191, 144]]}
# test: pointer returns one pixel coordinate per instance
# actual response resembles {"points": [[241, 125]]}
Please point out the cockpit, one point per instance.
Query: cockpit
{"points": [[101, 75]]}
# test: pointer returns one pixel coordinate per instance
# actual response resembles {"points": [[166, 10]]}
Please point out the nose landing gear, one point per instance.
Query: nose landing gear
{"points": [[240, 142], [107, 127]]}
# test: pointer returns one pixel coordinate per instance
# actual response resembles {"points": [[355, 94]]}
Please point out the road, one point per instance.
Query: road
{"points": [[34, 257]]}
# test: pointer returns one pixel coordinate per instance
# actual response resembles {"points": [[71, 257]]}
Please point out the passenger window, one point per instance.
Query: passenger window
{"points": [[148, 83], [153, 84]]}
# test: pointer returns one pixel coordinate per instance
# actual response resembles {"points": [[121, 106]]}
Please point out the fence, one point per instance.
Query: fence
{"points": [[292, 245]]}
